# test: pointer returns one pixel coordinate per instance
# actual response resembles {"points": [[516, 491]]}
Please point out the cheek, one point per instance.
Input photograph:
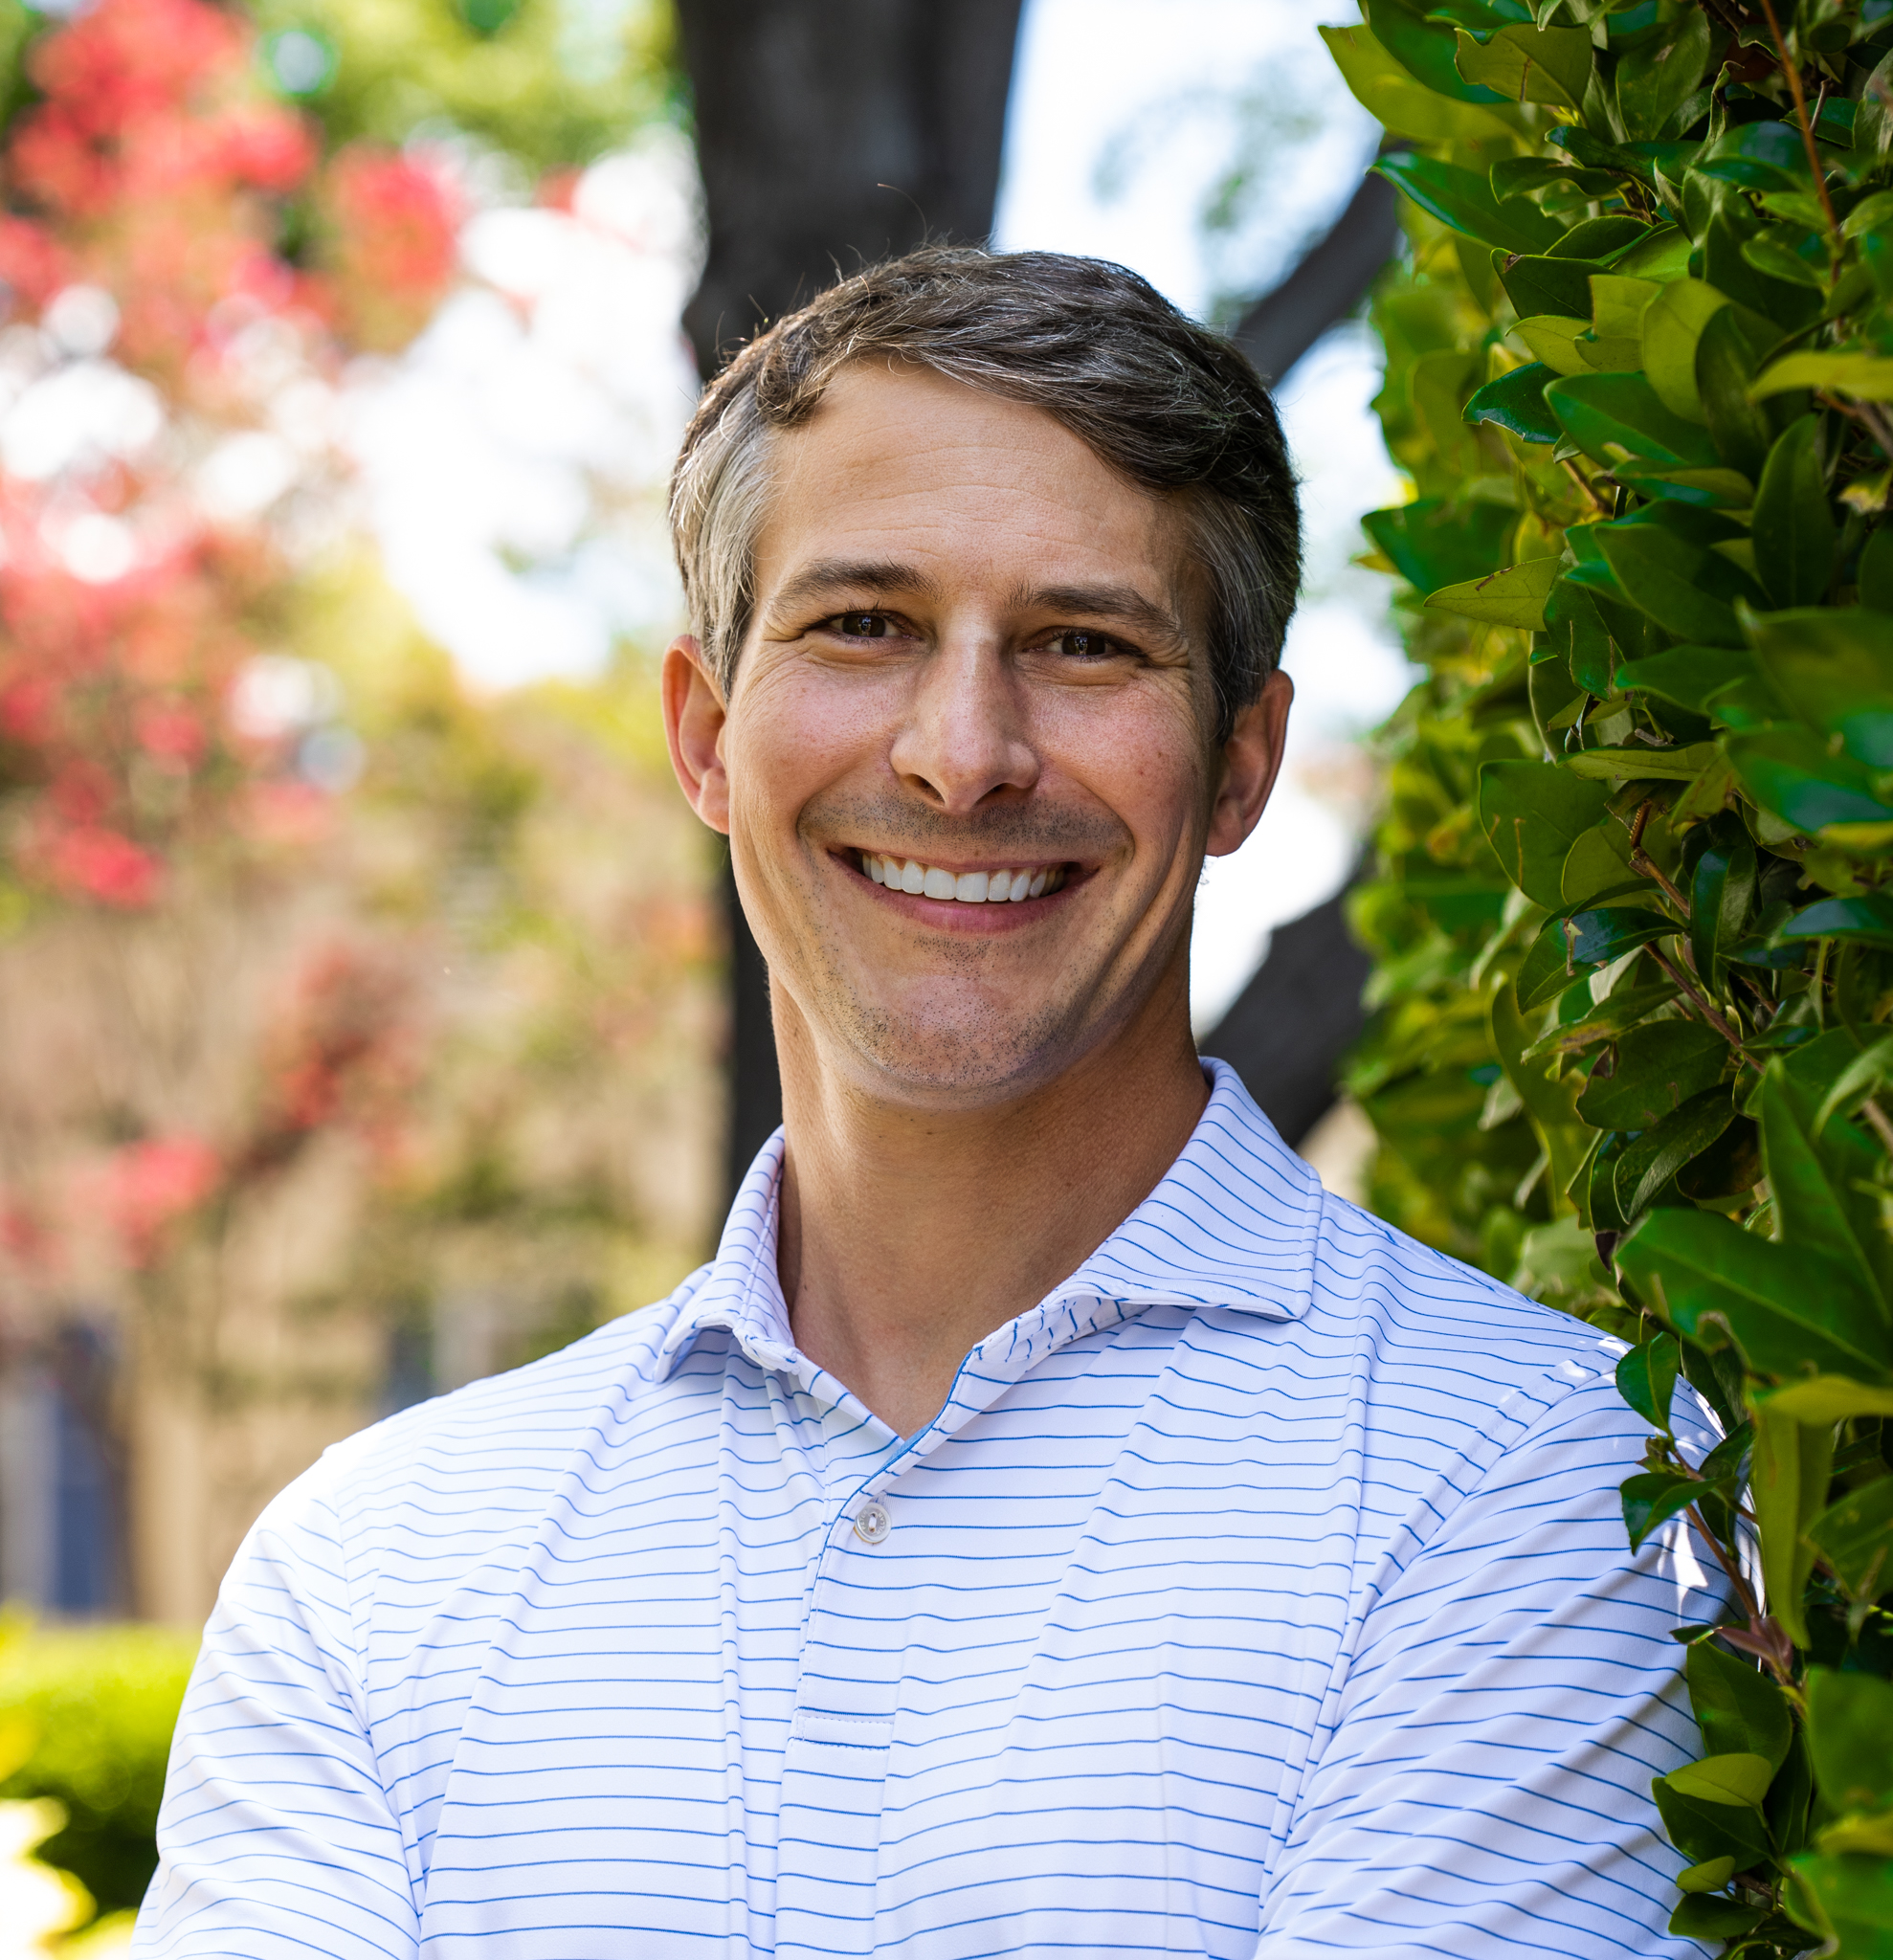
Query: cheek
{"points": [[791, 730], [1142, 752]]}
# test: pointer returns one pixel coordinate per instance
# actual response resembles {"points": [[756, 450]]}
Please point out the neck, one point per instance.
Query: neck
{"points": [[909, 1233]]}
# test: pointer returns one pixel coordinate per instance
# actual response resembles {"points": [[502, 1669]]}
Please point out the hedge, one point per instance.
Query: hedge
{"points": [[98, 1705], [1631, 915]]}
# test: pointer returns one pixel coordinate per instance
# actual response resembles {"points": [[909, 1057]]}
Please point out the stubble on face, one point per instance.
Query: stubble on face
{"points": [[965, 1035], [986, 501]]}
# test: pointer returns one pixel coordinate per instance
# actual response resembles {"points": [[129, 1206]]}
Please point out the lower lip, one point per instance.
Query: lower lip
{"points": [[1000, 915]]}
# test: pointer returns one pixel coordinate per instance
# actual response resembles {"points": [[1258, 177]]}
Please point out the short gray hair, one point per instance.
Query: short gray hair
{"points": [[1170, 405]]}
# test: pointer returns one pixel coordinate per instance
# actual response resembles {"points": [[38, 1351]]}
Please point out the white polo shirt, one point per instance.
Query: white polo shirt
{"points": [[1261, 1593]]}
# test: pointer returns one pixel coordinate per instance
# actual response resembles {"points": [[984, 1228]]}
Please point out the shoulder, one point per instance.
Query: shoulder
{"points": [[475, 1464]]}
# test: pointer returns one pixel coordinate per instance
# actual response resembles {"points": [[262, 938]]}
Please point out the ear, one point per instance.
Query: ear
{"points": [[694, 715], [1250, 760]]}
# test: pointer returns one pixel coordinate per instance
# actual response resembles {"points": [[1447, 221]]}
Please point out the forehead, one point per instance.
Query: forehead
{"points": [[907, 463]]}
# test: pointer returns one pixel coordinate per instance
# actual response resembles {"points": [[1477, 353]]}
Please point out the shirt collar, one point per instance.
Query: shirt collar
{"points": [[1233, 1224]]}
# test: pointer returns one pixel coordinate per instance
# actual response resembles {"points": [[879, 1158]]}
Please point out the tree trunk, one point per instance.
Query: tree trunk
{"points": [[831, 134]]}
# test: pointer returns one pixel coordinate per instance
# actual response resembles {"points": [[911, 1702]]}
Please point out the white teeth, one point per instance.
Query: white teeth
{"points": [[968, 887]]}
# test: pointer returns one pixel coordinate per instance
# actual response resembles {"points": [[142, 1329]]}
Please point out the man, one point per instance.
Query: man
{"points": [[1052, 1525]]}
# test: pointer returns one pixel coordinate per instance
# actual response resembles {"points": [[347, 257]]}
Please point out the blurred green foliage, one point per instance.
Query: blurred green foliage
{"points": [[1632, 920], [546, 83], [94, 1709]]}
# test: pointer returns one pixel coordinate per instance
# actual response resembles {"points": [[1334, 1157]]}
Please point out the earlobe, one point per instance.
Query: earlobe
{"points": [[1251, 760], [694, 715]]}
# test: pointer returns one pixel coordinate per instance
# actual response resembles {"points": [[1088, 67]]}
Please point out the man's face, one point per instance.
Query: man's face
{"points": [[975, 667]]}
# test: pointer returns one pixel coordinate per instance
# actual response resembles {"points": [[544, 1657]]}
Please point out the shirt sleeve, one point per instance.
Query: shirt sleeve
{"points": [[1480, 1783], [276, 1839]]}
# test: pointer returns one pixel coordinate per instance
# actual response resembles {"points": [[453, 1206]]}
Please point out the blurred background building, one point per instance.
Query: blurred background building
{"points": [[372, 1015]]}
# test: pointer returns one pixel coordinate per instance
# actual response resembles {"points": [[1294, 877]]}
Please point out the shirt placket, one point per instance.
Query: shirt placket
{"points": [[835, 1767]]}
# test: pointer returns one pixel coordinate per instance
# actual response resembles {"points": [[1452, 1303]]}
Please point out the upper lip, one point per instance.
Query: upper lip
{"points": [[958, 866]]}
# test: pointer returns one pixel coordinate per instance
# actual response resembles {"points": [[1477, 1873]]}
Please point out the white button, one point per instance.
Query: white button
{"points": [[873, 1523]]}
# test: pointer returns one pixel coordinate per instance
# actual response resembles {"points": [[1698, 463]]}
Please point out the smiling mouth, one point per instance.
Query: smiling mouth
{"points": [[968, 887]]}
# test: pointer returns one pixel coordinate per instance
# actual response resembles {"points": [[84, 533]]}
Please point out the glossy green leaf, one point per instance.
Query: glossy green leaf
{"points": [[1516, 402], [1546, 969], [1597, 869], [1756, 156], [1659, 765], [1671, 581], [1739, 1709], [1790, 774], [1691, 677], [1854, 1536], [1830, 1398], [1512, 597], [1862, 1075], [1426, 49], [1673, 323], [1731, 1780], [1531, 814], [1721, 896], [1552, 338], [1647, 1378], [1464, 201], [1711, 1876], [1658, 1068], [1832, 666], [1867, 920], [1848, 1901], [1527, 64], [1540, 286], [1787, 1492], [1789, 1310], [1397, 99], [1714, 1919], [1651, 1500], [1850, 1736], [1432, 544], [1612, 417], [1820, 1172], [1727, 349], [1795, 532], [1622, 1011], [1704, 1829], [1607, 932], [1647, 1163], [1866, 377], [1655, 77]]}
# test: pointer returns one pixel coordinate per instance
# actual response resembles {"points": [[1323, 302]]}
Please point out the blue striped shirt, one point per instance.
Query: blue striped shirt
{"points": [[1263, 1592]]}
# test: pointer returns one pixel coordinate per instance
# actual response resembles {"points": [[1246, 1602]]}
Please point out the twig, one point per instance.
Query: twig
{"points": [[1715, 1019], [1881, 1128], [1736, 1578], [1793, 75], [1641, 860], [1578, 478]]}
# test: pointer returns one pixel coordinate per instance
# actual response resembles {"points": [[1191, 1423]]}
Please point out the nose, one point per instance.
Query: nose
{"points": [[965, 737]]}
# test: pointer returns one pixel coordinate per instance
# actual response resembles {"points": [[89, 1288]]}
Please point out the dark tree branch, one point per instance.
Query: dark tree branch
{"points": [[1328, 284]]}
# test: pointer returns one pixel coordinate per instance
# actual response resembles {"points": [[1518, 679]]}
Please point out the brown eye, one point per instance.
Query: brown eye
{"points": [[863, 625], [1081, 643]]}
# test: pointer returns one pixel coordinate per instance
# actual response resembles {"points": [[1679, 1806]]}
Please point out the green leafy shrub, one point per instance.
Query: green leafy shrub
{"points": [[91, 1710], [1632, 921]]}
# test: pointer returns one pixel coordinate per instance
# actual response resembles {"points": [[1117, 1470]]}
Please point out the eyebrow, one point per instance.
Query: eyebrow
{"points": [[829, 576], [832, 577]]}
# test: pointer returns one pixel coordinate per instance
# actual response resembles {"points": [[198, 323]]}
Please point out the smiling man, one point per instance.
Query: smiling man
{"points": [[1052, 1525]]}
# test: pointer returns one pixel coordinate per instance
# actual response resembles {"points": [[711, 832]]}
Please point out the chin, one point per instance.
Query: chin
{"points": [[958, 1059]]}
